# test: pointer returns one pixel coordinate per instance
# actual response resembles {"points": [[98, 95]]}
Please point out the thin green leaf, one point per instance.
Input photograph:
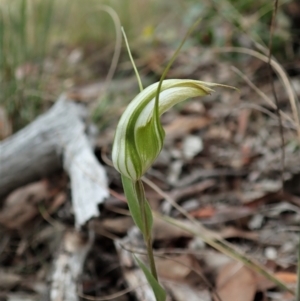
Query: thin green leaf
{"points": [[133, 202], [132, 61], [159, 292], [132, 196], [174, 56]]}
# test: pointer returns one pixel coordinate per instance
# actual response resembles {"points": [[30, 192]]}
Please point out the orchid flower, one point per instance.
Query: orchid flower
{"points": [[139, 136]]}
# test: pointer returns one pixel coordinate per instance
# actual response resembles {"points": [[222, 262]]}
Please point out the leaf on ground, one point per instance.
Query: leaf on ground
{"points": [[287, 277], [177, 269], [229, 213], [235, 283], [118, 225], [9, 280], [183, 125], [21, 205], [205, 212], [233, 232], [184, 292], [163, 230]]}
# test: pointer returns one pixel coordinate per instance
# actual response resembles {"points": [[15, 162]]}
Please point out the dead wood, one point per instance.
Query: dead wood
{"points": [[54, 140], [68, 265]]}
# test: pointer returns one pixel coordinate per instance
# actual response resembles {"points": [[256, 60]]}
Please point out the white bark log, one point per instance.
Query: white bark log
{"points": [[68, 267], [40, 148]]}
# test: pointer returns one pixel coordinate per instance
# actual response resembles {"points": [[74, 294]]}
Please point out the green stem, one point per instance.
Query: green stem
{"points": [[139, 188]]}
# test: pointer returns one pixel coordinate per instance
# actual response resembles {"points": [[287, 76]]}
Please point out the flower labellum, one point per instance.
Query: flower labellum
{"points": [[139, 136]]}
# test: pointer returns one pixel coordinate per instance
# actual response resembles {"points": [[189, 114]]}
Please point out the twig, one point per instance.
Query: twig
{"points": [[253, 106], [262, 94], [281, 72]]}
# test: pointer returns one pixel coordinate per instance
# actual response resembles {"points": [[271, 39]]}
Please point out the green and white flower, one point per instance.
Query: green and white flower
{"points": [[139, 136]]}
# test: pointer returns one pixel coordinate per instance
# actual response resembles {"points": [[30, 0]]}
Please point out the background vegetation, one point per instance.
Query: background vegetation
{"points": [[48, 46]]}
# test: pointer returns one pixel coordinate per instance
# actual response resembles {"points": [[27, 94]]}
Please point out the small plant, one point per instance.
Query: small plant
{"points": [[138, 141]]}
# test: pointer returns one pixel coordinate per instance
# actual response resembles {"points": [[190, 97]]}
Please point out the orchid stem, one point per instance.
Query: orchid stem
{"points": [[139, 187]]}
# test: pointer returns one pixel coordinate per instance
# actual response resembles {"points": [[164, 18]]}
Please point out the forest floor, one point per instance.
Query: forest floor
{"points": [[221, 163]]}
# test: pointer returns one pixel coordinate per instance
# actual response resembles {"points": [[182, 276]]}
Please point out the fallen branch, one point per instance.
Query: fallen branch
{"points": [[54, 140], [68, 266]]}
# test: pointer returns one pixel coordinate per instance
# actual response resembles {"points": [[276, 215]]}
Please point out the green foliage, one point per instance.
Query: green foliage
{"points": [[232, 22], [159, 292], [24, 39], [142, 215], [134, 205], [30, 28]]}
